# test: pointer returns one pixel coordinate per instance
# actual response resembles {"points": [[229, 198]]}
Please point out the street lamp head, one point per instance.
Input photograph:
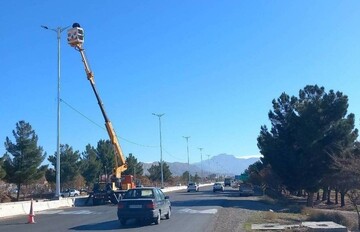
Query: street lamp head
{"points": [[159, 115], [75, 25], [45, 27]]}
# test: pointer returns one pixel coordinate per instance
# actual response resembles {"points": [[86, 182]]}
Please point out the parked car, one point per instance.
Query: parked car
{"points": [[70, 193], [218, 186], [246, 190], [193, 187], [146, 204]]}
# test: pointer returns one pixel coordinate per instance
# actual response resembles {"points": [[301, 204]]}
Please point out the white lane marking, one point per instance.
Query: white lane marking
{"points": [[77, 212], [192, 211], [65, 212], [49, 212]]}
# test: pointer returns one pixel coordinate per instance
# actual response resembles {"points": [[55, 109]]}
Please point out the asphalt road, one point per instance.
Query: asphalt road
{"points": [[194, 211]]}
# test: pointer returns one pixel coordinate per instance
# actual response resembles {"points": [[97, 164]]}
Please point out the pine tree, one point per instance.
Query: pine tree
{"points": [[155, 172], [23, 159], [106, 155], [306, 131], [2, 170], [133, 166], [69, 164], [90, 165]]}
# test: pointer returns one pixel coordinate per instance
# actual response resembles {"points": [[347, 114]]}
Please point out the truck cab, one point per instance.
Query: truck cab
{"points": [[227, 181]]}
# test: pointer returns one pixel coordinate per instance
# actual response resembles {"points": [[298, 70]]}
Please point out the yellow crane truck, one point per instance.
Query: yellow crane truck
{"points": [[116, 185]]}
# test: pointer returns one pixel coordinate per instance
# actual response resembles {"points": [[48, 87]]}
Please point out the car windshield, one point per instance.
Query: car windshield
{"points": [[139, 193]]}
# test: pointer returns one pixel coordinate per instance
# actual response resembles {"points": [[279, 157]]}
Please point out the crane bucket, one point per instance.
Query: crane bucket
{"points": [[75, 36]]}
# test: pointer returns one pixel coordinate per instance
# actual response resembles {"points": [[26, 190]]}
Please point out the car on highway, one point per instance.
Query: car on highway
{"points": [[246, 189], [218, 186], [145, 204], [227, 181], [193, 187], [70, 193]]}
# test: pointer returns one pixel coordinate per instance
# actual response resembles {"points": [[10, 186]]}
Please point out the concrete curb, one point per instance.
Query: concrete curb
{"points": [[23, 208]]}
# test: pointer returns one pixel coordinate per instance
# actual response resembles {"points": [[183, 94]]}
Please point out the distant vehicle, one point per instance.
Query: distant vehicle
{"points": [[70, 193], [83, 191], [218, 186], [235, 184], [146, 204], [193, 187], [227, 181], [246, 190]]}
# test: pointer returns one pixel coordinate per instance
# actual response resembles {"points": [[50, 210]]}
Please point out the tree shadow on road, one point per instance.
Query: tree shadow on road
{"points": [[102, 226], [109, 225]]}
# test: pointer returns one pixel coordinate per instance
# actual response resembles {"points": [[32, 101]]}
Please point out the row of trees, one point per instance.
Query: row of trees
{"points": [[22, 164], [311, 145]]}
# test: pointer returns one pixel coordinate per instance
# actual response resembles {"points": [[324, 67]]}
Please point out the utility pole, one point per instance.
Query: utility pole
{"points": [[161, 158], [187, 146], [58, 31], [209, 165], [201, 164]]}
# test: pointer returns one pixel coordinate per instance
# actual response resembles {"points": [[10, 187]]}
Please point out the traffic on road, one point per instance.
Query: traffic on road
{"points": [[190, 211]]}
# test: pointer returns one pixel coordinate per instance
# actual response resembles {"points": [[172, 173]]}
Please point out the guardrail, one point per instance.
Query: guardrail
{"points": [[23, 207]]}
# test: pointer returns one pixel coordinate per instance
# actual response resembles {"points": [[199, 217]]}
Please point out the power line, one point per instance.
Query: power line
{"points": [[177, 158], [100, 126]]}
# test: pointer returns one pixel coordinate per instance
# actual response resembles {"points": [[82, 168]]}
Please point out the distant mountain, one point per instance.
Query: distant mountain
{"points": [[222, 164]]}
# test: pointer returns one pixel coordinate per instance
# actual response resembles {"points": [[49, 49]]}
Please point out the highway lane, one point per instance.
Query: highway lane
{"points": [[194, 211]]}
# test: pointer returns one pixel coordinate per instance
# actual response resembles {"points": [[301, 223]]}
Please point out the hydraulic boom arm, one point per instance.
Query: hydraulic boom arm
{"points": [[76, 40]]}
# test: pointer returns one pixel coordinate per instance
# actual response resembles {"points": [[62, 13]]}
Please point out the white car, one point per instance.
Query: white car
{"points": [[218, 186], [70, 193], [193, 187]]}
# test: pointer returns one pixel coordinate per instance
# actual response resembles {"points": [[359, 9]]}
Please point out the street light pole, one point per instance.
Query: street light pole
{"points": [[209, 166], [200, 148], [161, 159], [187, 148], [58, 31]]}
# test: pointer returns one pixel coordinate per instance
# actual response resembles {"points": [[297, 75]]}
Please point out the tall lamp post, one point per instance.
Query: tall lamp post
{"points": [[58, 31], [187, 148], [161, 159], [200, 148]]}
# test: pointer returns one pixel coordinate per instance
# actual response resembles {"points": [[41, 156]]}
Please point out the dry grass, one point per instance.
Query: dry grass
{"points": [[339, 217], [296, 213]]}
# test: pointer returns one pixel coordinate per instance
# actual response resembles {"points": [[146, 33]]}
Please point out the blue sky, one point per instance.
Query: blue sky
{"points": [[213, 68]]}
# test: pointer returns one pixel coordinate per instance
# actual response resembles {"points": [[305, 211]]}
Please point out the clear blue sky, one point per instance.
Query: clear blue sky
{"points": [[213, 68]]}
